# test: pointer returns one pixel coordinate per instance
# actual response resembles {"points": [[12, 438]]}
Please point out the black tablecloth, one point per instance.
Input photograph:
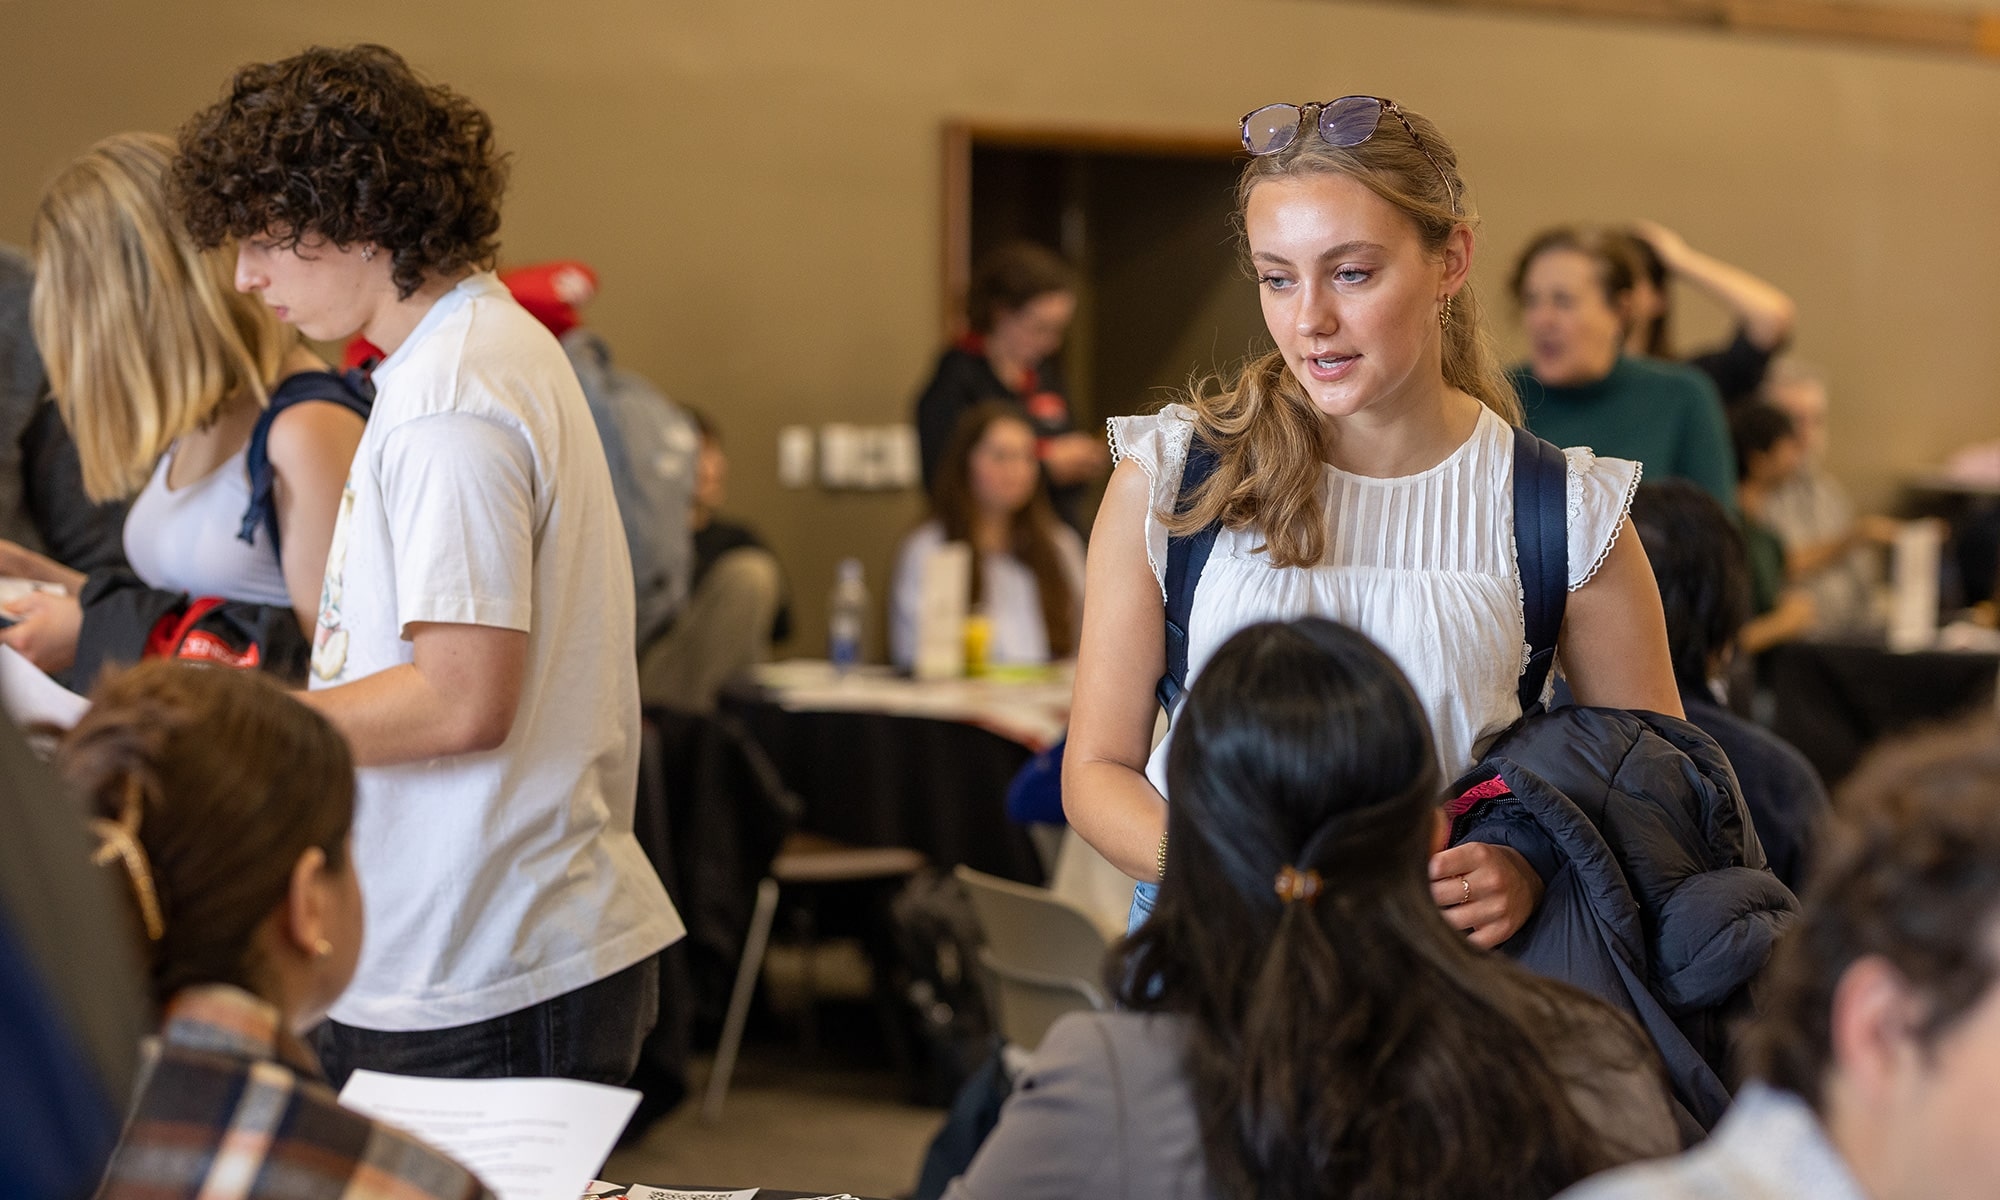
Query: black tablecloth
{"points": [[875, 779], [1835, 700]]}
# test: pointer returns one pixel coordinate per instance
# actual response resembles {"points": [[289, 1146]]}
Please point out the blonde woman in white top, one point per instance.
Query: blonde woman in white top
{"points": [[162, 370], [1363, 474]]}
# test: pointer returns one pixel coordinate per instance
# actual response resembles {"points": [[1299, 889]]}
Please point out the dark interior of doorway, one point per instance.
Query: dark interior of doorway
{"points": [[1164, 294]]}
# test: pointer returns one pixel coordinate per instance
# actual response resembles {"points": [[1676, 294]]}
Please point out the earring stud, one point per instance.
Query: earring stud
{"points": [[322, 948]]}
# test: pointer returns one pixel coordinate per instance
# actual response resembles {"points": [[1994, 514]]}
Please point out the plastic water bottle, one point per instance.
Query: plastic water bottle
{"points": [[848, 610]]}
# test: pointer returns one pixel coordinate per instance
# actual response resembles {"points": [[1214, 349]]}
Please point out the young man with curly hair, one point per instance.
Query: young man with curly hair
{"points": [[474, 637]]}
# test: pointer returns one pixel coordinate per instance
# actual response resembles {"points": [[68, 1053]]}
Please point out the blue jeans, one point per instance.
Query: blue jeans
{"points": [[1144, 896], [592, 1034]]}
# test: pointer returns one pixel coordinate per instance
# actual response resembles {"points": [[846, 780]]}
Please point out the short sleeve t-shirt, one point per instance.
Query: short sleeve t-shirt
{"points": [[480, 495]]}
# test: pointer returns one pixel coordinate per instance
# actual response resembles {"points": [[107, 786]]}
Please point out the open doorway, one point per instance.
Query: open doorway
{"points": [[1147, 220]]}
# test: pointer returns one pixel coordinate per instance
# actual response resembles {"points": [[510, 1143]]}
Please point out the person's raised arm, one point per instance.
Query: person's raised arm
{"points": [[1613, 643], [1766, 313], [311, 446], [1119, 660]]}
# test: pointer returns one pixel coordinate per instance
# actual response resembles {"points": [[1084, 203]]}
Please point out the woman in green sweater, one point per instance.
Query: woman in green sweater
{"points": [[1578, 386]]}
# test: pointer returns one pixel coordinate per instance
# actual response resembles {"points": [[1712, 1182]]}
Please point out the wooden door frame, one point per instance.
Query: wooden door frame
{"points": [[961, 135]]}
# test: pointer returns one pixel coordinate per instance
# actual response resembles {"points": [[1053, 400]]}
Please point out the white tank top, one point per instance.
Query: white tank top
{"points": [[185, 540]]}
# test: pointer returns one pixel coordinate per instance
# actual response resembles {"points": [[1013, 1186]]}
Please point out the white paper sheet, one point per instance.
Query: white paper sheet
{"points": [[30, 697], [527, 1139]]}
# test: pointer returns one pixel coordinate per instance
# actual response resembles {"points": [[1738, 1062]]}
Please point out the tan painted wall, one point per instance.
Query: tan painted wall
{"points": [[758, 182]]}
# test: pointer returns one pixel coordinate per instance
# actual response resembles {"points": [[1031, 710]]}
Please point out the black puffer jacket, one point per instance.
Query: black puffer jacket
{"points": [[1658, 898]]}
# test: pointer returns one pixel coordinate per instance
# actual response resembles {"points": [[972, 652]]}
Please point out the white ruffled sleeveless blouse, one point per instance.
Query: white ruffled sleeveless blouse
{"points": [[1423, 564]]}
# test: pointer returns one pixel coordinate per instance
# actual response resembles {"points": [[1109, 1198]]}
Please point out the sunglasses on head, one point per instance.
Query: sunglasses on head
{"points": [[1348, 121]]}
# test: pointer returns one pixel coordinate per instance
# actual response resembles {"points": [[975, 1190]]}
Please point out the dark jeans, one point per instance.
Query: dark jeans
{"points": [[593, 1034]]}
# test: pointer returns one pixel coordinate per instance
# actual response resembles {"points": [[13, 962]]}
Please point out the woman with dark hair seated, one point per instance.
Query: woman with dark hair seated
{"points": [[223, 805], [1303, 1021], [1026, 569], [1703, 572]]}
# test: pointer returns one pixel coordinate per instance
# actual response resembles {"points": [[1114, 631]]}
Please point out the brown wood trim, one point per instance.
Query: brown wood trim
{"points": [[1106, 139], [956, 248], [1950, 30]]}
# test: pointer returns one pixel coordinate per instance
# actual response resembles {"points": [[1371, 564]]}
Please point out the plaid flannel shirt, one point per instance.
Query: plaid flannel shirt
{"points": [[230, 1107]]}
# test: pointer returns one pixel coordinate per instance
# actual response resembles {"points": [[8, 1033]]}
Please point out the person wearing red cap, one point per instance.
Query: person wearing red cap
{"points": [[474, 639], [650, 444]]}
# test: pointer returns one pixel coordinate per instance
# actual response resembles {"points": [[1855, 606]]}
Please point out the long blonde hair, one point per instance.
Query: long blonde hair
{"points": [[1263, 427], [143, 333]]}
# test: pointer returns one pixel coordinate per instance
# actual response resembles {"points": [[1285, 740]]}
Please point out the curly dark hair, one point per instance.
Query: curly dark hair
{"points": [[350, 145]]}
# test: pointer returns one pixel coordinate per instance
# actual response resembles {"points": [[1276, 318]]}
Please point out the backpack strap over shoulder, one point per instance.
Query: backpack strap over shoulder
{"points": [[1541, 550], [1186, 556], [351, 391]]}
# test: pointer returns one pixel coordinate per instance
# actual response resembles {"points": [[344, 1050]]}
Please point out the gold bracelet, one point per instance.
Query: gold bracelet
{"points": [[1163, 856]]}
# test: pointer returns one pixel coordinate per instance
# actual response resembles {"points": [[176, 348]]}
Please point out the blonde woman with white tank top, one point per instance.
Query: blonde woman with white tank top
{"points": [[168, 415]]}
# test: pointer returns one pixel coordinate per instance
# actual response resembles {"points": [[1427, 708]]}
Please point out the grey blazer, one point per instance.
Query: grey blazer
{"points": [[1105, 1110]]}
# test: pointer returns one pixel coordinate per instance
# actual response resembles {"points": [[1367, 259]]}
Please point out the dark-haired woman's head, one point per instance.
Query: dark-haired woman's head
{"points": [[340, 154], [1344, 1040], [1768, 447], [223, 806], [1574, 287], [1303, 747], [990, 477], [1021, 301], [1703, 571]]}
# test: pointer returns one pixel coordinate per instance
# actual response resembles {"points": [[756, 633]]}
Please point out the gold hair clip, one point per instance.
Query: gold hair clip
{"points": [[1294, 885], [121, 842]]}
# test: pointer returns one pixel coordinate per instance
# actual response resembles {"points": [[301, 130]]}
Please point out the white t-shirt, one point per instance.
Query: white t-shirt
{"points": [[479, 495], [1423, 564], [1013, 600]]}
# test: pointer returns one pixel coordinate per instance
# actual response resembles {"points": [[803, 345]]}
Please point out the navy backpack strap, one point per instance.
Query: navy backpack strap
{"points": [[1541, 550], [1186, 556], [352, 392]]}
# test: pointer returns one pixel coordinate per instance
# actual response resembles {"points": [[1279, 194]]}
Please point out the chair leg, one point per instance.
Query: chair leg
{"points": [[755, 941]]}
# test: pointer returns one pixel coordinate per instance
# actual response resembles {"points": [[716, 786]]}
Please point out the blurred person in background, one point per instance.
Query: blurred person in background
{"points": [[1830, 550], [736, 606], [650, 443], [43, 507], [1026, 566], [1769, 453], [1698, 556], [1762, 315], [1017, 309], [1580, 387]]}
